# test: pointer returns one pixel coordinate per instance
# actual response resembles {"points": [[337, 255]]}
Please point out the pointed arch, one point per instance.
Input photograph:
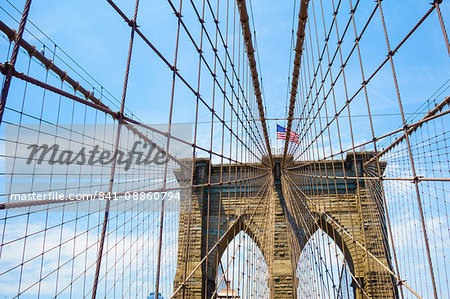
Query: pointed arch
{"points": [[322, 268], [236, 228], [334, 232], [239, 258]]}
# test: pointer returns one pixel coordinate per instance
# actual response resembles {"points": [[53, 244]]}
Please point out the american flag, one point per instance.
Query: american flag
{"points": [[281, 134]]}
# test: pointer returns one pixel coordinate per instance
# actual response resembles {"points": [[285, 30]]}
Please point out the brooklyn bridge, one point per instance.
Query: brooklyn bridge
{"points": [[224, 149]]}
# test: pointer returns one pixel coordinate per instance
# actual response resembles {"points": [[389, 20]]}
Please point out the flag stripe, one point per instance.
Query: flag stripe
{"points": [[281, 134]]}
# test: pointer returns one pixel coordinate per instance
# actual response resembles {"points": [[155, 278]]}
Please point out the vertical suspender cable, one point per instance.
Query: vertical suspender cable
{"points": [[116, 147], [13, 59]]}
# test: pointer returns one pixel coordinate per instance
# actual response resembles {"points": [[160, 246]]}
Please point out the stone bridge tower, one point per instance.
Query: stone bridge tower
{"points": [[280, 221]]}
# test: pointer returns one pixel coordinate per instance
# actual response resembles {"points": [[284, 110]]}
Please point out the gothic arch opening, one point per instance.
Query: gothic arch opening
{"points": [[322, 269], [242, 270]]}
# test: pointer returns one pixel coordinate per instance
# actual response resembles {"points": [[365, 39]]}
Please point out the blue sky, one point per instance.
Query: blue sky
{"points": [[92, 34]]}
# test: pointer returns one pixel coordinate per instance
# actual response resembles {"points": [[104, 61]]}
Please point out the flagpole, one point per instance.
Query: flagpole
{"points": [[277, 144]]}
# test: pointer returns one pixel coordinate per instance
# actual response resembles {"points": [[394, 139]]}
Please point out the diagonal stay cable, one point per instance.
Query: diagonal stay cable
{"points": [[262, 191], [332, 220], [177, 72], [411, 129]]}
